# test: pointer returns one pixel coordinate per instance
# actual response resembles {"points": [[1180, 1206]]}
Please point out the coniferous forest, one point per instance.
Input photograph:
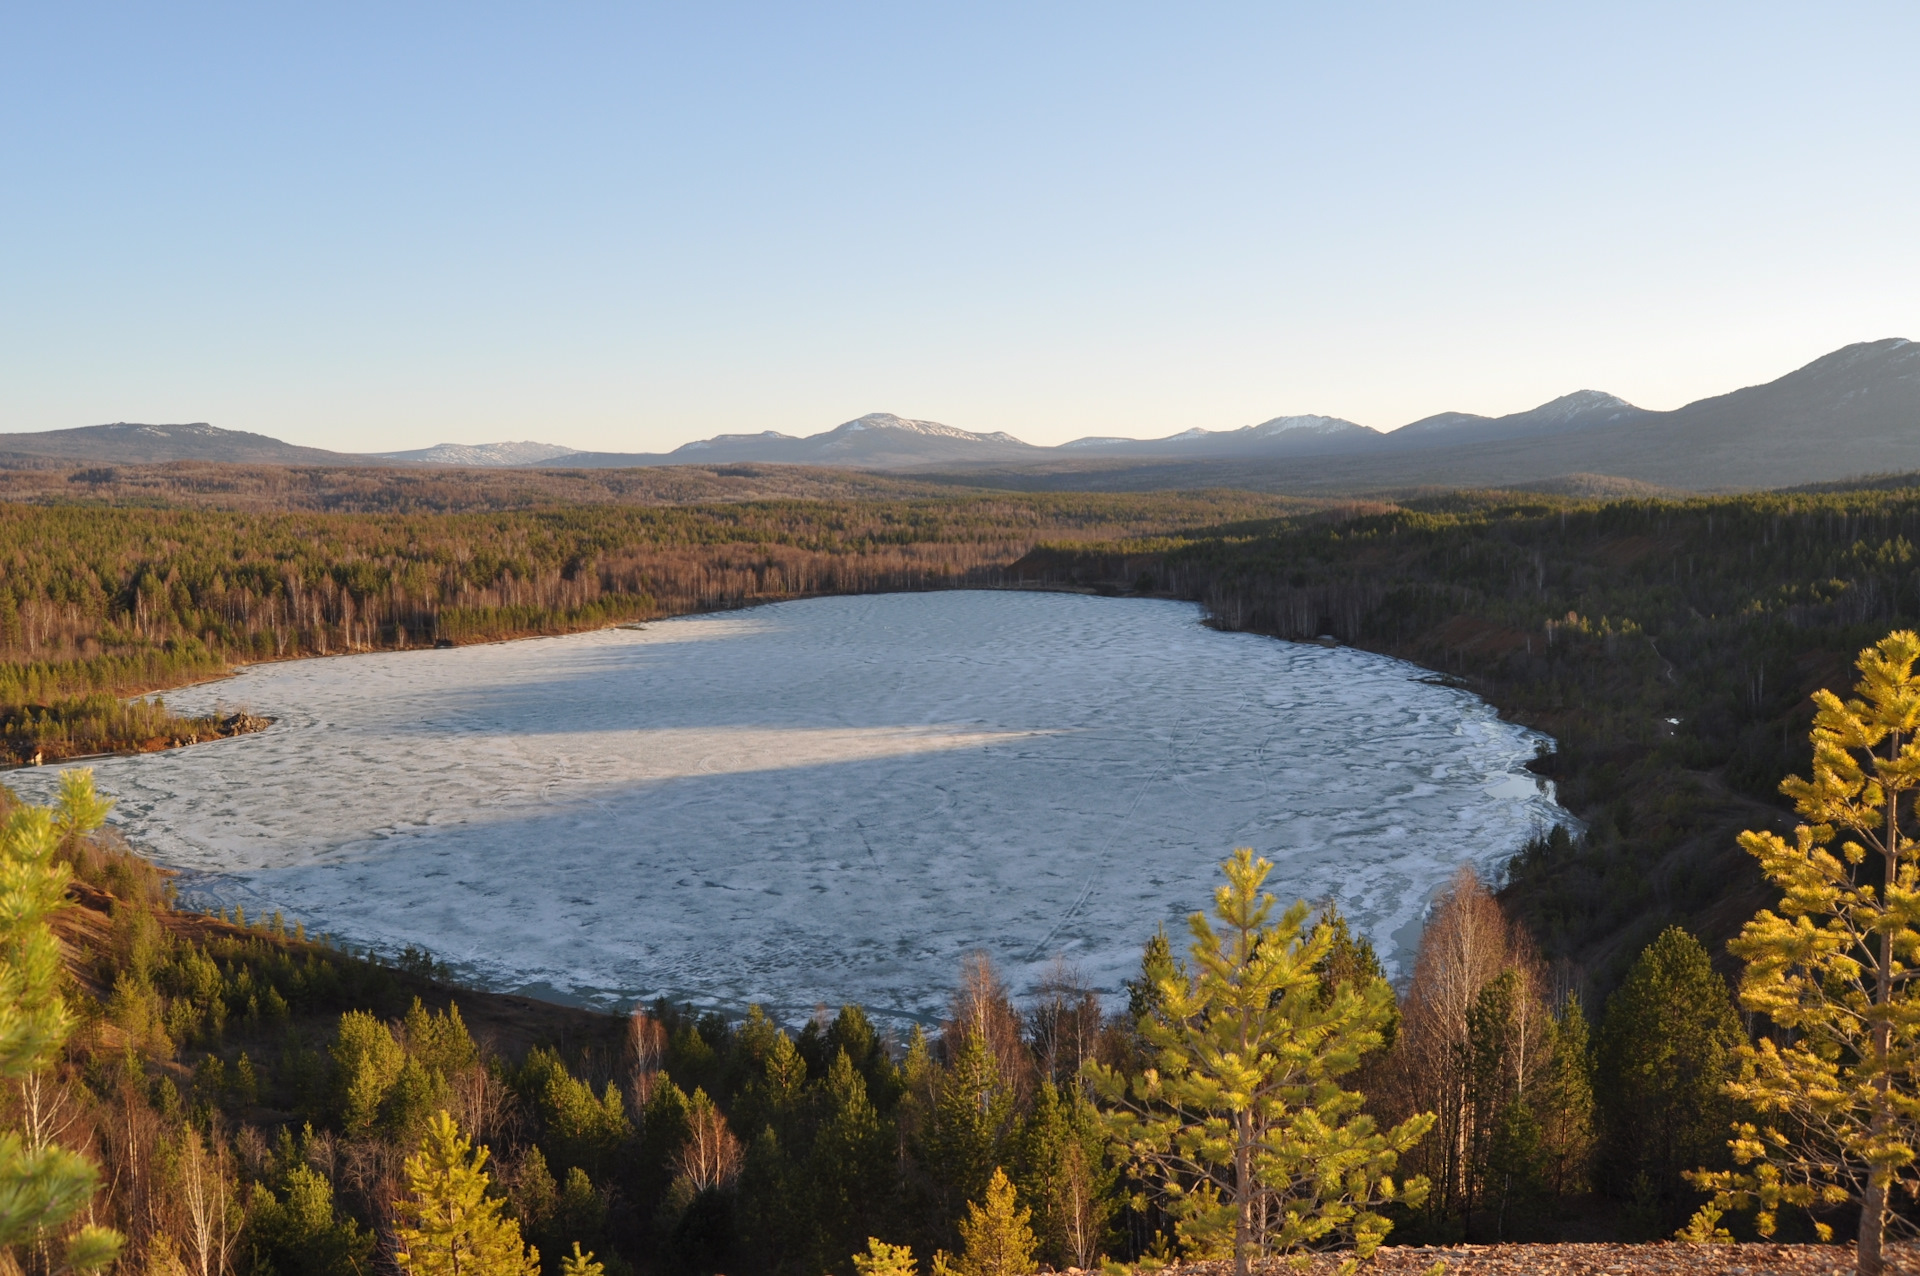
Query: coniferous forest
{"points": [[1578, 1052], [98, 603]]}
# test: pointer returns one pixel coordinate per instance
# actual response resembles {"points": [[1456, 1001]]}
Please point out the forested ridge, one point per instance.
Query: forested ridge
{"points": [[250, 1096], [1556, 1064], [1669, 647], [101, 602]]}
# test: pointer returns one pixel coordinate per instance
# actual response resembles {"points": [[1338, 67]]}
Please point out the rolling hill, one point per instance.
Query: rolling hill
{"points": [[129, 443]]}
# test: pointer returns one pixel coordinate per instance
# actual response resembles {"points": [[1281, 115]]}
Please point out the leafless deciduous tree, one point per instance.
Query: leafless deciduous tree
{"points": [[981, 1008], [1464, 946], [205, 1188], [711, 1157], [646, 1055], [1063, 1023]]}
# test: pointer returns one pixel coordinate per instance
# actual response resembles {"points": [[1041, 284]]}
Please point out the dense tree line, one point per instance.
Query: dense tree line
{"points": [[259, 1102], [1669, 647], [99, 603]]}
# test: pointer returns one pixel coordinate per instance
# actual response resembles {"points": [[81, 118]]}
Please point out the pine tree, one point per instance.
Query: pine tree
{"points": [[882, 1259], [1566, 1104], [1064, 1173], [578, 1264], [299, 1233], [995, 1238], [1667, 1046], [971, 1126], [1240, 1124], [42, 1185], [367, 1062], [850, 1166], [447, 1225], [1509, 1036], [1157, 965], [1834, 969]]}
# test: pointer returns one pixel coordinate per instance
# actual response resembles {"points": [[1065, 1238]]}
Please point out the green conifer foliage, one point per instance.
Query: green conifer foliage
{"points": [[1834, 969], [298, 1233], [971, 1127], [663, 1131], [850, 1168], [439, 1040], [581, 1128], [1157, 965], [995, 1237], [882, 1259], [42, 1185], [1064, 1172], [1668, 1045], [1240, 1125], [78, 809], [1566, 1105], [578, 1264], [367, 1062], [535, 1197], [447, 1224]]}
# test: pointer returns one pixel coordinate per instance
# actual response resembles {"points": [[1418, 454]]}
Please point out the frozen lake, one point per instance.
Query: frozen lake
{"points": [[830, 800]]}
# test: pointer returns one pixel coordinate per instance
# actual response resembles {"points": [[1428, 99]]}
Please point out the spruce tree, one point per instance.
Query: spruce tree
{"points": [[447, 1224], [1157, 965], [1566, 1105], [971, 1126], [1240, 1125], [42, 1185], [850, 1165], [1839, 1093], [1063, 1172], [1667, 1047]]}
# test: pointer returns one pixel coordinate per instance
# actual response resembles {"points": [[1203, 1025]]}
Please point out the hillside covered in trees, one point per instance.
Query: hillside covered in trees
{"points": [[101, 602], [1669, 647], [250, 1095]]}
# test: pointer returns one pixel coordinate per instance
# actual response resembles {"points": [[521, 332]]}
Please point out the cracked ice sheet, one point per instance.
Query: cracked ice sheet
{"points": [[830, 800]]}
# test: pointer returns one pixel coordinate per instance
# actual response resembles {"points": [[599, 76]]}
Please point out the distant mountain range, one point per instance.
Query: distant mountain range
{"points": [[125, 443], [1853, 412], [480, 454]]}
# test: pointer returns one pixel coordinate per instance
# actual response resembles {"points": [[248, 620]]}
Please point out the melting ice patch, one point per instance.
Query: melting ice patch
{"points": [[831, 800]]}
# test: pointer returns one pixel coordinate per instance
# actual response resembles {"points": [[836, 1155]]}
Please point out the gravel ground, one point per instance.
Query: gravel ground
{"points": [[1664, 1259]]}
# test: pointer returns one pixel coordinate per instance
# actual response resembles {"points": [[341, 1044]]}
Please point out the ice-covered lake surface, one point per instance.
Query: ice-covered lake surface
{"points": [[830, 800]]}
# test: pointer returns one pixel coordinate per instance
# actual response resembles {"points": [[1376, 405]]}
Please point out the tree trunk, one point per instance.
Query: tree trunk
{"points": [[1867, 1258], [1243, 1182]]}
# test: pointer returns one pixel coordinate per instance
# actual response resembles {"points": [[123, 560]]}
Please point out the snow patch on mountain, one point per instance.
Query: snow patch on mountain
{"points": [[907, 425], [482, 454]]}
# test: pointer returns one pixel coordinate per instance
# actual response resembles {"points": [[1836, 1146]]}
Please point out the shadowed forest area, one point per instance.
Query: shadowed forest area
{"points": [[99, 603], [251, 1094], [1669, 647]]}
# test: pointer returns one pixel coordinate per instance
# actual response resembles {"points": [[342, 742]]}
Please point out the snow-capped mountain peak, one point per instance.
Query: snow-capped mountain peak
{"points": [[930, 429], [1313, 424]]}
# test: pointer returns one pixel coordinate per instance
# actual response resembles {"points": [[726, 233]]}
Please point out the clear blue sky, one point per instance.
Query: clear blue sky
{"points": [[627, 226]]}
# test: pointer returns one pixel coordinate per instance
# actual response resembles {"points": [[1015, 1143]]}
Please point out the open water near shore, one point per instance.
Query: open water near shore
{"points": [[829, 800]]}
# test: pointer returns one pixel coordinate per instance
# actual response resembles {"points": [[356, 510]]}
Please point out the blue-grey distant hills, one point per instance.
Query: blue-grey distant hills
{"points": [[127, 443], [1853, 412]]}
